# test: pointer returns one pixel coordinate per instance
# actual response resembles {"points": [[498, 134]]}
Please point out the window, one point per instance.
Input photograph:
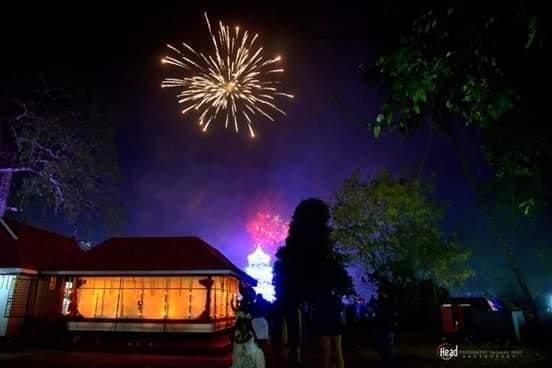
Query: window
{"points": [[176, 298], [52, 283], [66, 297]]}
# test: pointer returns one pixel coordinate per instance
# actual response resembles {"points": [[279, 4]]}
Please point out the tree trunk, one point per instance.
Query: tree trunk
{"points": [[5, 182]]}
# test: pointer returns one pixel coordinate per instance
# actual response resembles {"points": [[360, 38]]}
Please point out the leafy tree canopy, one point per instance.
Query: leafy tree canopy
{"points": [[475, 65], [391, 229]]}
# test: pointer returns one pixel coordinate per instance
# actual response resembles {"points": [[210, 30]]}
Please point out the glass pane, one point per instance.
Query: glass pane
{"points": [[154, 303], [232, 294], [175, 283], [112, 283], [139, 282], [226, 306], [98, 302], [130, 303], [218, 282], [148, 283], [187, 282], [220, 310], [86, 302], [131, 283], [178, 304], [90, 283], [196, 284], [159, 282], [109, 306], [213, 310], [198, 302]]}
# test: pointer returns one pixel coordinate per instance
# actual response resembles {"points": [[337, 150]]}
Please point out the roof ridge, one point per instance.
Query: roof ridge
{"points": [[219, 254], [154, 237], [115, 238], [8, 229], [35, 228], [44, 250]]}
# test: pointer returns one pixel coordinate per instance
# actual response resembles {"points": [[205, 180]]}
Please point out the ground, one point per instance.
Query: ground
{"points": [[413, 350]]}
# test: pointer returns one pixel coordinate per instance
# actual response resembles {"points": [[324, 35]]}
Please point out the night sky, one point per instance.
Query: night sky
{"points": [[180, 181]]}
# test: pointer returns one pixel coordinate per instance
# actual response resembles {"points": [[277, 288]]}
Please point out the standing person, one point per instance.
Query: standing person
{"points": [[327, 325], [246, 302], [245, 352], [386, 321]]}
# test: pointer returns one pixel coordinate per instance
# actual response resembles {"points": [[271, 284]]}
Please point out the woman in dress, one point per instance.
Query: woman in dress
{"points": [[246, 353]]}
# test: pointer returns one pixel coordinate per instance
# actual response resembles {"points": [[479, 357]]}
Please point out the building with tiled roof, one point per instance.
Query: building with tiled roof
{"points": [[141, 284]]}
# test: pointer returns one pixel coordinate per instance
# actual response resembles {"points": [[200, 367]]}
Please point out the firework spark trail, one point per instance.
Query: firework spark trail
{"points": [[234, 82]]}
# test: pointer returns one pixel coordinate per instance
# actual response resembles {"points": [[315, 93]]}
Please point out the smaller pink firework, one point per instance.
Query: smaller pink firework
{"points": [[267, 230]]}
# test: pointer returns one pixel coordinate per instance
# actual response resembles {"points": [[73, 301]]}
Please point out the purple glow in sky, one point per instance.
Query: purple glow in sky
{"points": [[180, 181]]}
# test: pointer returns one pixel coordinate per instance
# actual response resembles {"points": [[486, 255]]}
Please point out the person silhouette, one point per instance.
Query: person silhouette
{"points": [[327, 325], [386, 321]]}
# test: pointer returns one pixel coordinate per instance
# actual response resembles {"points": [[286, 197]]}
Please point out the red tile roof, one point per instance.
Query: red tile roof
{"points": [[42, 250], [156, 254], [35, 248]]}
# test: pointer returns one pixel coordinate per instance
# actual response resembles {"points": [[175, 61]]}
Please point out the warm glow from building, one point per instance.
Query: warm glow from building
{"points": [[175, 297]]}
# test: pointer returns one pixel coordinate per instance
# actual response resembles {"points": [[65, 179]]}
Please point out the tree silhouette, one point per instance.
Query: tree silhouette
{"points": [[476, 66], [307, 266]]}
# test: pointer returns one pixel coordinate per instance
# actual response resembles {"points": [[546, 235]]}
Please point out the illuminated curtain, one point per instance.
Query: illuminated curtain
{"points": [[131, 297], [198, 302], [111, 299], [154, 297], [178, 298]]}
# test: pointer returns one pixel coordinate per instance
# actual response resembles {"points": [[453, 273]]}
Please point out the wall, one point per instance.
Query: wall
{"points": [[47, 308], [6, 288], [23, 298]]}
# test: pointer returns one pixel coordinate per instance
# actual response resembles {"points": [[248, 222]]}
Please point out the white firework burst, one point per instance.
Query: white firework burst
{"points": [[235, 83]]}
